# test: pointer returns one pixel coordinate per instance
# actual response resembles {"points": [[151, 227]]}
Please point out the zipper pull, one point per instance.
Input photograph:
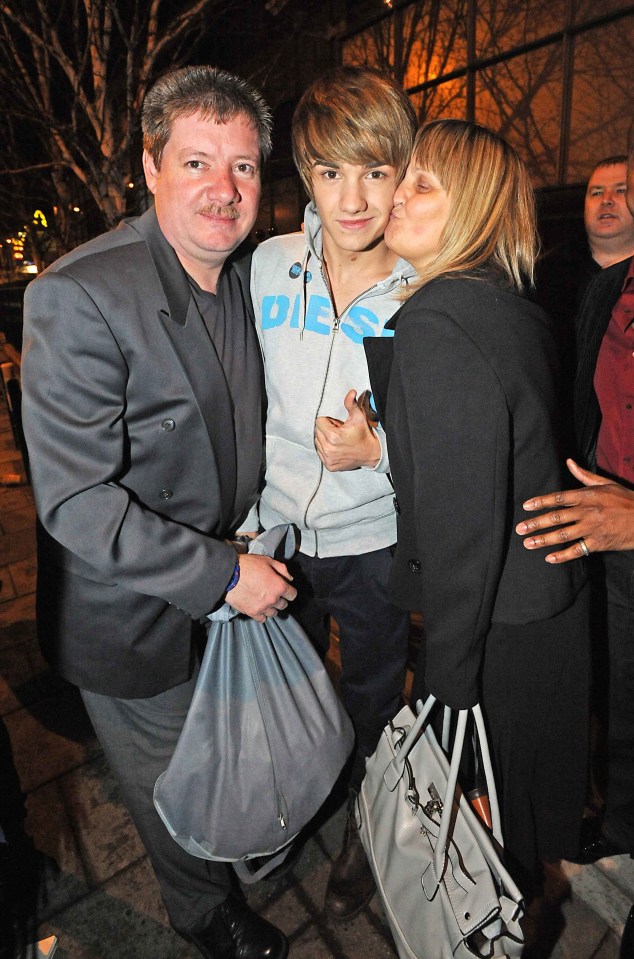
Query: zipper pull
{"points": [[280, 816], [336, 324]]}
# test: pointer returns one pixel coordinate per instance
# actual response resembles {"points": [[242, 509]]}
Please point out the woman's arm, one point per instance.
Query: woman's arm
{"points": [[454, 425]]}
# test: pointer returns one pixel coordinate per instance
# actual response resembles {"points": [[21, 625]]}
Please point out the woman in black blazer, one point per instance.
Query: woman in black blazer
{"points": [[468, 403]]}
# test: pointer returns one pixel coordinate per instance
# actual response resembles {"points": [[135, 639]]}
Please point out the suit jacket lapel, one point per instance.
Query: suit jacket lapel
{"points": [[197, 356], [379, 352], [591, 323]]}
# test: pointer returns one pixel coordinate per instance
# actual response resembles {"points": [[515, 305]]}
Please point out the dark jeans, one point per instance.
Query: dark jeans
{"points": [[373, 637], [138, 737], [619, 581]]}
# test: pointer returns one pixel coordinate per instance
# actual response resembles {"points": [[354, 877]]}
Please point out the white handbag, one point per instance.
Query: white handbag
{"points": [[446, 893]]}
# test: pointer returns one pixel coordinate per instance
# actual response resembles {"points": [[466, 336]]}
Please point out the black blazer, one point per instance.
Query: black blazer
{"points": [[129, 426], [469, 411], [591, 323]]}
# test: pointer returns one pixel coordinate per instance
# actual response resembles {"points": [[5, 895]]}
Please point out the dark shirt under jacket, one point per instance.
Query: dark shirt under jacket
{"points": [[592, 322], [563, 275], [471, 423], [223, 316], [614, 386]]}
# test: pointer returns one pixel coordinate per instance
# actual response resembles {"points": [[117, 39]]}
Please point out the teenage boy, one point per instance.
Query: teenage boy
{"points": [[316, 295]]}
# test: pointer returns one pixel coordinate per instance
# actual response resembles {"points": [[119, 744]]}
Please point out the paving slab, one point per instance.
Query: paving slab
{"points": [[63, 877], [106, 835], [23, 517], [24, 575], [17, 545], [610, 948], [7, 589], [19, 611], [50, 738], [137, 886], [283, 904], [103, 925], [14, 498], [583, 933], [599, 886], [19, 685], [620, 871]]}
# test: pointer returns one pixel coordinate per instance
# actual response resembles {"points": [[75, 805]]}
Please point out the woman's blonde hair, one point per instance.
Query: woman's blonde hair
{"points": [[492, 219], [352, 115]]}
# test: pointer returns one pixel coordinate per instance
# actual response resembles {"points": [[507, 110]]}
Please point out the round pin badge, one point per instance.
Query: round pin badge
{"points": [[295, 271]]}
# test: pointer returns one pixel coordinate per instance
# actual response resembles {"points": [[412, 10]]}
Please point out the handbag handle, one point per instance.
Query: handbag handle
{"points": [[394, 772]]}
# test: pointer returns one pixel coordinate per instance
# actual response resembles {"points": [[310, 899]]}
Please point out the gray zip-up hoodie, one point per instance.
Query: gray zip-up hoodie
{"points": [[311, 360]]}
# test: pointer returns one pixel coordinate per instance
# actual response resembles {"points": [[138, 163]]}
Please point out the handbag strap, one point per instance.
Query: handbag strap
{"points": [[484, 841], [395, 770], [248, 874], [452, 782]]}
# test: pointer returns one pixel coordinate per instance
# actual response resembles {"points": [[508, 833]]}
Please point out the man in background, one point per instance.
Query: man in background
{"points": [[608, 221], [568, 266], [599, 518]]}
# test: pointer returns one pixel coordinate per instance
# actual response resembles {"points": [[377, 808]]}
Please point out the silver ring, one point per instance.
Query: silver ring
{"points": [[584, 548]]}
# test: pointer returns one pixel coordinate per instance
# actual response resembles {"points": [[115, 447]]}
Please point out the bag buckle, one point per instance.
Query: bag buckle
{"points": [[435, 804]]}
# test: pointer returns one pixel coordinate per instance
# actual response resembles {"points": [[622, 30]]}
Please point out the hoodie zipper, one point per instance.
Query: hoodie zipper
{"points": [[335, 329]]}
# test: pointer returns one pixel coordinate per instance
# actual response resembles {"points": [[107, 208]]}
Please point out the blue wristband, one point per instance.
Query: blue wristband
{"points": [[234, 577]]}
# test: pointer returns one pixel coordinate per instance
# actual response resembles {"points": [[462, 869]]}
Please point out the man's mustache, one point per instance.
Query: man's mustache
{"points": [[214, 209]]}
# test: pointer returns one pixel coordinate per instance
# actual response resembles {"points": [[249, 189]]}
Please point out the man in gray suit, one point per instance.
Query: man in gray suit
{"points": [[142, 412]]}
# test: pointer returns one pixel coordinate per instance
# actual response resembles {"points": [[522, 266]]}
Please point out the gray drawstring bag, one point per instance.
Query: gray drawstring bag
{"points": [[264, 741]]}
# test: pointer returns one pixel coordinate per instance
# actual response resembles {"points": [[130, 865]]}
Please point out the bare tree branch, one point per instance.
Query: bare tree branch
{"points": [[78, 71]]}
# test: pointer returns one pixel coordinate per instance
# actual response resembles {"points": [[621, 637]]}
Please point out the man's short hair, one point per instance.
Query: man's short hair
{"points": [[215, 94], [609, 161], [353, 115]]}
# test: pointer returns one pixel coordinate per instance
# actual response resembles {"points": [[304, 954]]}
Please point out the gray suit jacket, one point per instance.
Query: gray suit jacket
{"points": [[129, 425]]}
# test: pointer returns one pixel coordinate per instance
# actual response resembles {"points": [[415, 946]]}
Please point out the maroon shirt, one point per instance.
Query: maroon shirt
{"points": [[614, 386]]}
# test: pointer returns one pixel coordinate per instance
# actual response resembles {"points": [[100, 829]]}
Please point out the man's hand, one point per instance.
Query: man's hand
{"points": [[347, 444], [263, 589], [600, 514]]}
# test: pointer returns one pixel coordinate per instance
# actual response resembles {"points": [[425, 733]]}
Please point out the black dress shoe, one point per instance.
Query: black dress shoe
{"points": [[351, 882], [236, 932], [594, 845]]}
